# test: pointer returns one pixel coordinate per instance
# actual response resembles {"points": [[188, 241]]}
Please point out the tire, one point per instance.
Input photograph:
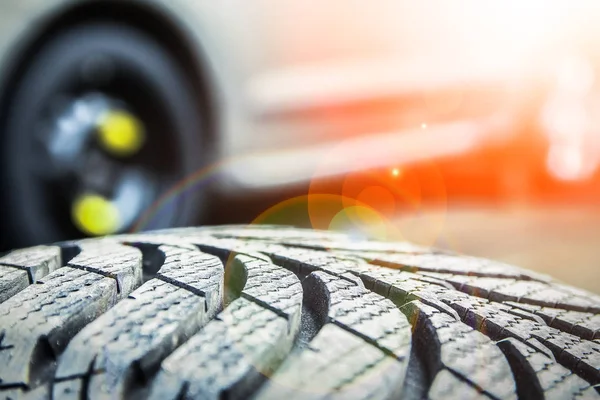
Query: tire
{"points": [[120, 62], [295, 314]]}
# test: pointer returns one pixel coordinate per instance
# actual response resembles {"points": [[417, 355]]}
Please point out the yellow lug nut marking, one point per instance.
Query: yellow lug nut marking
{"points": [[95, 215], [120, 133]]}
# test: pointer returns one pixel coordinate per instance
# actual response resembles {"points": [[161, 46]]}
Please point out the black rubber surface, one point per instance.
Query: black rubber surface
{"points": [[281, 313]]}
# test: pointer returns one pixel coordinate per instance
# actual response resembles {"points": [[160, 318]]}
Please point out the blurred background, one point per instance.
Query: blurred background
{"points": [[473, 127]]}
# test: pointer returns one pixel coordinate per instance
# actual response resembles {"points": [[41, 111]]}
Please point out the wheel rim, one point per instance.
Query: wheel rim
{"points": [[94, 151]]}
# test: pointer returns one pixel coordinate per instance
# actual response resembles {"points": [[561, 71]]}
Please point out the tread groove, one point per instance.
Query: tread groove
{"points": [[462, 378], [22, 268], [99, 272], [369, 340], [85, 380], [184, 286]]}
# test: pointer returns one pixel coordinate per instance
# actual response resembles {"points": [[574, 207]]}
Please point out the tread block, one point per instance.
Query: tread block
{"points": [[497, 322], [132, 338], [582, 324], [455, 347], [37, 323], [228, 355], [339, 365], [122, 263], [452, 264], [539, 376], [38, 261], [20, 268], [527, 292], [12, 281], [361, 353], [367, 314], [247, 340], [448, 386]]}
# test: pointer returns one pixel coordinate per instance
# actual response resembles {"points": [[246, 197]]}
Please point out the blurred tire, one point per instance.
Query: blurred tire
{"points": [[123, 62]]}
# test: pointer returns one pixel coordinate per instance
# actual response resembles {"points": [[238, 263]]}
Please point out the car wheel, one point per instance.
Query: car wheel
{"points": [[102, 122]]}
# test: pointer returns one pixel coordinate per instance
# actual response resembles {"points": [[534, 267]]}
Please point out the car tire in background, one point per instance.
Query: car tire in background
{"points": [[282, 313], [103, 121]]}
